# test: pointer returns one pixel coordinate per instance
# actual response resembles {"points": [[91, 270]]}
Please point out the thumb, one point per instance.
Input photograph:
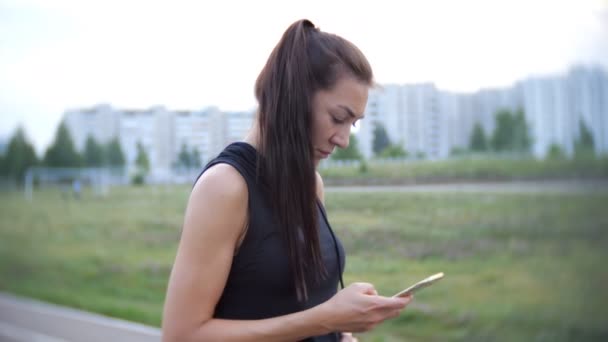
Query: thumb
{"points": [[366, 288]]}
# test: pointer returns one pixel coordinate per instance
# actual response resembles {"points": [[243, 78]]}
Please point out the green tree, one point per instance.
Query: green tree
{"points": [[114, 155], [457, 151], [511, 132], [381, 139], [3, 168], [62, 153], [142, 161], [555, 152], [584, 146], [184, 157], [93, 153], [393, 151], [522, 140], [478, 139], [195, 159], [351, 152], [20, 156], [503, 133]]}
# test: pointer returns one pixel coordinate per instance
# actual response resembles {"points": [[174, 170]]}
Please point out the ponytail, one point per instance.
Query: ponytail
{"points": [[304, 61]]}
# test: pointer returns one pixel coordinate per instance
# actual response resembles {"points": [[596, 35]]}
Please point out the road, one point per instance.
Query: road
{"points": [[26, 320]]}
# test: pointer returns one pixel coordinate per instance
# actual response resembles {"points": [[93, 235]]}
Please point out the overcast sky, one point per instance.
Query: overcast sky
{"points": [[59, 54]]}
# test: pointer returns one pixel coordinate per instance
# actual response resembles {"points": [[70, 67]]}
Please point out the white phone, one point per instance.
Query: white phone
{"points": [[421, 284]]}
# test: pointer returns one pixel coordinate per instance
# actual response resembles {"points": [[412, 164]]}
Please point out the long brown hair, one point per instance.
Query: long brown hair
{"points": [[304, 61]]}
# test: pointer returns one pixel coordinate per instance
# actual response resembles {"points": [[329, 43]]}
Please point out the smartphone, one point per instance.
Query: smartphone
{"points": [[419, 285]]}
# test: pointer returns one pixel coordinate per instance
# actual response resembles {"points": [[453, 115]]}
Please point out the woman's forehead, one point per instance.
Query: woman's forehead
{"points": [[348, 94]]}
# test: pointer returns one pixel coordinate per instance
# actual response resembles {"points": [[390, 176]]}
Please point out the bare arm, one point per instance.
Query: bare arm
{"points": [[214, 219]]}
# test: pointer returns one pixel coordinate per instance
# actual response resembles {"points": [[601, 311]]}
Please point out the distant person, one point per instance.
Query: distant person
{"points": [[257, 260]]}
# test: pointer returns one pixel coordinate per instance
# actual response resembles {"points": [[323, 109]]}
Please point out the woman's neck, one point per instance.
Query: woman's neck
{"points": [[253, 136]]}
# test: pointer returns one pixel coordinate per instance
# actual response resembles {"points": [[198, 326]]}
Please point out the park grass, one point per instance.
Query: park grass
{"points": [[519, 267], [464, 169]]}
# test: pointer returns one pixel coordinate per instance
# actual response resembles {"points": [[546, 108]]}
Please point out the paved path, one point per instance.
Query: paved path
{"points": [[27, 320], [558, 186]]}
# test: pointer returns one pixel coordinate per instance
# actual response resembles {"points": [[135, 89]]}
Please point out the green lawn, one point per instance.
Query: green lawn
{"points": [[518, 267], [465, 169]]}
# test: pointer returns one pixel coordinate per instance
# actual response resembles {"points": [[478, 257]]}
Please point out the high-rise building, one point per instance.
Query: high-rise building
{"points": [[418, 117], [588, 90], [162, 133], [200, 130], [411, 117], [236, 125], [153, 129], [555, 106], [426, 120], [100, 122]]}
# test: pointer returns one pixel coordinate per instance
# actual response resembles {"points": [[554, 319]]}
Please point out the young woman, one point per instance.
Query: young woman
{"points": [[257, 260]]}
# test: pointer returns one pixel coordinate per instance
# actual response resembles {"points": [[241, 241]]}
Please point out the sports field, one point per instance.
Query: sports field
{"points": [[519, 267]]}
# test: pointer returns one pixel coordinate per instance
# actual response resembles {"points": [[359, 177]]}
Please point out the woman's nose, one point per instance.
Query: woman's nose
{"points": [[341, 139]]}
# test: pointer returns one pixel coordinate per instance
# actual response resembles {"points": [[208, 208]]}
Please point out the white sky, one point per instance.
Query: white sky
{"points": [[60, 54]]}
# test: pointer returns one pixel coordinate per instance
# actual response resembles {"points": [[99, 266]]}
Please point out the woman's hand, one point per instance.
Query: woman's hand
{"points": [[359, 308]]}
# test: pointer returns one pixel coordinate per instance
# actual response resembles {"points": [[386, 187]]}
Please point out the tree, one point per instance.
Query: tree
{"points": [[142, 162], [195, 159], [93, 153], [503, 133], [457, 151], [555, 152], [62, 152], [114, 155], [184, 157], [349, 153], [20, 156], [511, 132], [393, 151], [584, 146], [521, 136], [478, 139], [381, 139]]}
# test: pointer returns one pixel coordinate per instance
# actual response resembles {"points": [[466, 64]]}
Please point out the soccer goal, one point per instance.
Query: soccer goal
{"points": [[72, 181]]}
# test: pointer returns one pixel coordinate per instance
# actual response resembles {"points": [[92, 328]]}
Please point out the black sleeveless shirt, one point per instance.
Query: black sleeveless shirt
{"points": [[260, 283]]}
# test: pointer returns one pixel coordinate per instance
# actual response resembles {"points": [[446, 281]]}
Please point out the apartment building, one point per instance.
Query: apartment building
{"points": [[426, 120]]}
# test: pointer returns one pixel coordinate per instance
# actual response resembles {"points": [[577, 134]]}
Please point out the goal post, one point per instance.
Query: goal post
{"points": [[74, 179]]}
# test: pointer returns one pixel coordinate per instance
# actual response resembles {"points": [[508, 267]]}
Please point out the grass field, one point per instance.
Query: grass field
{"points": [[519, 267], [465, 169]]}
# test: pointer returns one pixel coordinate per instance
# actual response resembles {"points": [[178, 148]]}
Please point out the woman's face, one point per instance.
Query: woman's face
{"points": [[334, 113]]}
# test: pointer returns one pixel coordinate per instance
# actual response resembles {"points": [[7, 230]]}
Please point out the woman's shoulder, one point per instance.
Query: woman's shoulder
{"points": [[221, 181]]}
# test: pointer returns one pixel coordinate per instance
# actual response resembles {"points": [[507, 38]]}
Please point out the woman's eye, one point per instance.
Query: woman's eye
{"points": [[336, 120]]}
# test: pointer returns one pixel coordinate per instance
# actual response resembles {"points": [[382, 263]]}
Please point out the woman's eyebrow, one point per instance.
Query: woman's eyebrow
{"points": [[351, 113]]}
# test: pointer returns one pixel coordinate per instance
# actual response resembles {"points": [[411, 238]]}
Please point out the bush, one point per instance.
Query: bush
{"points": [[363, 168], [555, 153], [138, 179]]}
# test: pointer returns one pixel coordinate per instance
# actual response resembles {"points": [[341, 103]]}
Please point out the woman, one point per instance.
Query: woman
{"points": [[257, 260]]}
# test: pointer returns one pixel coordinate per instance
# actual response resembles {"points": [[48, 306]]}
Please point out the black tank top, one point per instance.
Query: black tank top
{"points": [[260, 283]]}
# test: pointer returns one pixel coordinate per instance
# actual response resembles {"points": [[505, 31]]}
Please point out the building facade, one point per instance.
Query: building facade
{"points": [[432, 122], [161, 132]]}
